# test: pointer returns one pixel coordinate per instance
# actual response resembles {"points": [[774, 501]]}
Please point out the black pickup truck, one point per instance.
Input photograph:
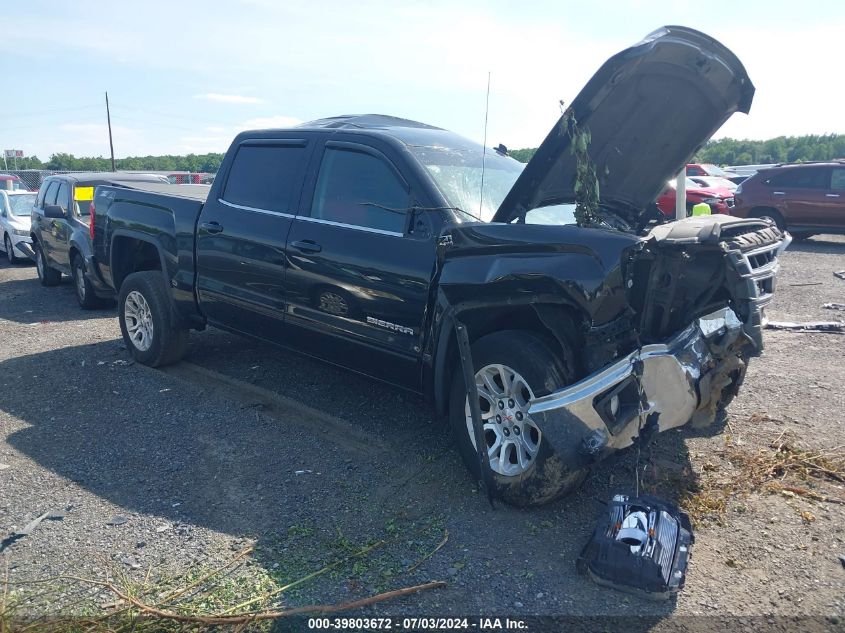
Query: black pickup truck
{"points": [[366, 241]]}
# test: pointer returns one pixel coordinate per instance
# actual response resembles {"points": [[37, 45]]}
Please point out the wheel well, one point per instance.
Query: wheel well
{"points": [[131, 255], [556, 325], [756, 211]]}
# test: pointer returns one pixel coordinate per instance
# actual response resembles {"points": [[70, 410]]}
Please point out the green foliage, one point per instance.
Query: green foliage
{"points": [[522, 155], [730, 151], [68, 162], [783, 149], [30, 162], [586, 180]]}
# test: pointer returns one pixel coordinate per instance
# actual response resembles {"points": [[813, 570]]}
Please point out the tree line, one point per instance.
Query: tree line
{"points": [[68, 162], [730, 151], [725, 151]]}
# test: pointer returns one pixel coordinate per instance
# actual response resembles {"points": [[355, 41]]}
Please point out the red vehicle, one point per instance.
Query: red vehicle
{"points": [[705, 169], [10, 182], [720, 200], [805, 199]]}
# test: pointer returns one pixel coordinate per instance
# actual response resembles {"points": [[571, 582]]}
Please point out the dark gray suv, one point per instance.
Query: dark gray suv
{"points": [[60, 230]]}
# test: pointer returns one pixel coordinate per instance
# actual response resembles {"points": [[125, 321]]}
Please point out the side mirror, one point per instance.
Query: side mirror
{"points": [[54, 211]]}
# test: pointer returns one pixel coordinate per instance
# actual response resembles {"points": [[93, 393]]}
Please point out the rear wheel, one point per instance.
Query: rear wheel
{"points": [[512, 369], [85, 295], [46, 275], [770, 214], [10, 251], [147, 322]]}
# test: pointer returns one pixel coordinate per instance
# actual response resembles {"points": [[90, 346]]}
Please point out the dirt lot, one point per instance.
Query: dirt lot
{"points": [[165, 475]]}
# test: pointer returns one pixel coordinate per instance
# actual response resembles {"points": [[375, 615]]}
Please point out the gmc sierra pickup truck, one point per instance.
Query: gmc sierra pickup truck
{"points": [[369, 242]]}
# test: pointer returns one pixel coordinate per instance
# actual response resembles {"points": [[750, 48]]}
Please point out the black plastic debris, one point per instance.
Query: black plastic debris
{"points": [[840, 274], [641, 545], [834, 306]]}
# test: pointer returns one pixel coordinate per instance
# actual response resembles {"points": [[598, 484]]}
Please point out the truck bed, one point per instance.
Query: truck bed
{"points": [[161, 215]]}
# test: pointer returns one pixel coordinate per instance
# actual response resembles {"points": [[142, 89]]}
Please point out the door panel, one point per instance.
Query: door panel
{"points": [[241, 238], [357, 279], [45, 224], [60, 229], [799, 194], [833, 213]]}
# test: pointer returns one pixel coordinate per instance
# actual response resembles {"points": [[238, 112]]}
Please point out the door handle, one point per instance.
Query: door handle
{"points": [[778, 193], [831, 195], [307, 246], [212, 227]]}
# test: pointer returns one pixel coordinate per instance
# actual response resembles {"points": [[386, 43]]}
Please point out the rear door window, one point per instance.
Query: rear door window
{"points": [[837, 179], [52, 190], [267, 176], [63, 196], [360, 188], [801, 178]]}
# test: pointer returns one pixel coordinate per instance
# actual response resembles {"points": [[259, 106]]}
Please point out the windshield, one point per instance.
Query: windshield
{"points": [[552, 214], [457, 173], [21, 205], [712, 170]]}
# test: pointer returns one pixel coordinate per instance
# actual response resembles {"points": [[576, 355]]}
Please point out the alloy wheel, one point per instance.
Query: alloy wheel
{"points": [[79, 278], [139, 320], [512, 437]]}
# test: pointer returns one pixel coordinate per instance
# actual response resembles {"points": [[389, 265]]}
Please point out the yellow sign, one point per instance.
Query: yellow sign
{"points": [[83, 194]]}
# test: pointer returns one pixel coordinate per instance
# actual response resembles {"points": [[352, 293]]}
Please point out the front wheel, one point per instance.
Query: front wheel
{"points": [[10, 251], [46, 275], [147, 321], [512, 369]]}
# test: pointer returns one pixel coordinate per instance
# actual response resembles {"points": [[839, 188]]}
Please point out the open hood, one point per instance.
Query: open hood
{"points": [[648, 109]]}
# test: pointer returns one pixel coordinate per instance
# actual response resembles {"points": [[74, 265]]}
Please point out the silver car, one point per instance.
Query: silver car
{"points": [[15, 209]]}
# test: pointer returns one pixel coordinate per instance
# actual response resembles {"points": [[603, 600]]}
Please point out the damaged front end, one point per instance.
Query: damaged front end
{"points": [[697, 289]]}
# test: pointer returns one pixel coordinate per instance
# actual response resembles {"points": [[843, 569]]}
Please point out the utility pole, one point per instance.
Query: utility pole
{"points": [[111, 145], [681, 195]]}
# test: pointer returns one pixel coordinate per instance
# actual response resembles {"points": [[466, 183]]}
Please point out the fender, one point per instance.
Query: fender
{"points": [[557, 281]]}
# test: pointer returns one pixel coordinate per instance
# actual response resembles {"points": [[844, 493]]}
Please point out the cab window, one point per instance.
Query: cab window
{"points": [[837, 179], [267, 177], [52, 190], [360, 189]]}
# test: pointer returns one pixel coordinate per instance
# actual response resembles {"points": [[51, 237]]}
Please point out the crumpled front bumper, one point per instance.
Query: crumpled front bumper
{"points": [[661, 386], [24, 246]]}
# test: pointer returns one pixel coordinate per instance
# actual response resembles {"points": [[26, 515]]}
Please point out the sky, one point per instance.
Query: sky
{"points": [[186, 76]]}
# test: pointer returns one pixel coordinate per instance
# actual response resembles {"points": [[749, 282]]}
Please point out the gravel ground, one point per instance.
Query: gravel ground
{"points": [[159, 471]]}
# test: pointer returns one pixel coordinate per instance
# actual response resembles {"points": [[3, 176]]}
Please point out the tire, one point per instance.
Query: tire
{"points": [[535, 480], [772, 214], [85, 294], [46, 275], [158, 341], [10, 251], [802, 237]]}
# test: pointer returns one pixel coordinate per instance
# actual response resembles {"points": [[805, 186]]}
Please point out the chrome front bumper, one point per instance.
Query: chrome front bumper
{"points": [[665, 385]]}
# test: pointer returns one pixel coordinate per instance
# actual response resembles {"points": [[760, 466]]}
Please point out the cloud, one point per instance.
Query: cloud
{"points": [[221, 98]]}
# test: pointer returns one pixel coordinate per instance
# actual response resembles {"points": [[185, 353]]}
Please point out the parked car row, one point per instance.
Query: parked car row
{"points": [[60, 231], [368, 242]]}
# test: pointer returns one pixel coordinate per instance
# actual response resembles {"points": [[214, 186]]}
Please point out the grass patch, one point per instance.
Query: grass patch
{"points": [[784, 467], [300, 571]]}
